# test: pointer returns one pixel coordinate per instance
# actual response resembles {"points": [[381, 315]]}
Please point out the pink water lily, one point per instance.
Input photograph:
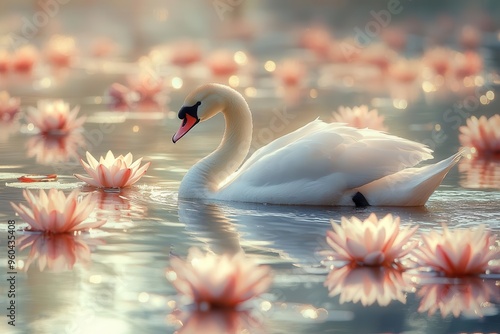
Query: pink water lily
{"points": [[60, 50], [291, 72], [214, 281], [54, 117], [458, 253], [24, 58], [405, 71], [111, 172], [483, 134], [438, 59], [372, 242], [54, 212], [147, 85], [360, 117], [222, 63]]}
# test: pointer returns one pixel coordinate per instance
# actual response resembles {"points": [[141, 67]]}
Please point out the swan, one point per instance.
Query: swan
{"points": [[318, 164]]}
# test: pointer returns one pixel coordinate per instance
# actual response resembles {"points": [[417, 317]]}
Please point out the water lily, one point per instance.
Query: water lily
{"points": [[405, 71], [482, 135], [147, 85], [121, 95], [185, 52], [468, 296], [372, 242], [54, 117], [24, 58], [367, 285], [378, 55], [317, 39], [54, 212], [458, 253], [467, 64], [111, 172], [9, 106], [438, 59], [222, 63], [291, 72], [213, 281], [360, 117], [60, 50]]}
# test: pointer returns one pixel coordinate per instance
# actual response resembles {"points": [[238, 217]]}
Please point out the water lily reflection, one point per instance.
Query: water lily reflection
{"points": [[217, 321], [469, 296], [56, 252], [367, 285], [479, 172], [118, 207], [48, 149], [55, 117]]}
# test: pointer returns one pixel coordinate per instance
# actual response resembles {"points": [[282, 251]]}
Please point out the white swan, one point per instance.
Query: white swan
{"points": [[318, 164]]}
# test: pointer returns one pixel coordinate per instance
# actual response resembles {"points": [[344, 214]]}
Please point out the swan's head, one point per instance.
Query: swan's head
{"points": [[200, 105]]}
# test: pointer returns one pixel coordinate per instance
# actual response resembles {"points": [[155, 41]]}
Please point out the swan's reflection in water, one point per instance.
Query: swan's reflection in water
{"points": [[208, 223], [268, 231], [294, 233]]}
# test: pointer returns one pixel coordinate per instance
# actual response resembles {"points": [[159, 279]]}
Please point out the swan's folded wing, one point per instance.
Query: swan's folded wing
{"points": [[308, 129], [342, 156]]}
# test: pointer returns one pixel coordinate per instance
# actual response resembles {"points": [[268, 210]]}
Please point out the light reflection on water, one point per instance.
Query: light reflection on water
{"points": [[124, 290]]}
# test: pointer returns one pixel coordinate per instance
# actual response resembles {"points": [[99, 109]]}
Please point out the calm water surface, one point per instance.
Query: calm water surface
{"points": [[113, 280]]}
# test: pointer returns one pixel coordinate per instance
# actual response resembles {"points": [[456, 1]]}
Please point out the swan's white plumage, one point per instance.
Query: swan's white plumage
{"points": [[318, 164]]}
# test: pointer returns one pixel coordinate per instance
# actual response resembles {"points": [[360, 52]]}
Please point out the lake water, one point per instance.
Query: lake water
{"points": [[117, 283], [113, 279]]}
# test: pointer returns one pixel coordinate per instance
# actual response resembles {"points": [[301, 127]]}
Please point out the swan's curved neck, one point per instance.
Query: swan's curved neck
{"points": [[208, 174]]}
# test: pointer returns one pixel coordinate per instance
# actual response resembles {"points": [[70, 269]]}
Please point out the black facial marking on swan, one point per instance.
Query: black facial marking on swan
{"points": [[190, 110], [360, 200]]}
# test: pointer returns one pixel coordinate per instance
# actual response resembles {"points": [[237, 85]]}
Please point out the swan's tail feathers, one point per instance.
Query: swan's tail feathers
{"points": [[409, 187]]}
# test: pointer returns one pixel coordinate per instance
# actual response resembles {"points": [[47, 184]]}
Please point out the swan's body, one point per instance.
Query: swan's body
{"points": [[318, 164]]}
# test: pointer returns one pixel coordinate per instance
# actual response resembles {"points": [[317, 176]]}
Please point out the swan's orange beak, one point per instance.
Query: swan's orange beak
{"points": [[187, 124]]}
